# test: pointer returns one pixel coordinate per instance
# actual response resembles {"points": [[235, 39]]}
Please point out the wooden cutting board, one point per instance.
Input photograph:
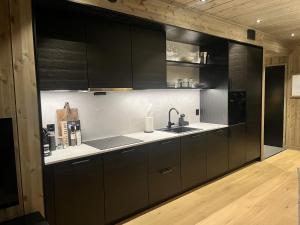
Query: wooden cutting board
{"points": [[66, 114]]}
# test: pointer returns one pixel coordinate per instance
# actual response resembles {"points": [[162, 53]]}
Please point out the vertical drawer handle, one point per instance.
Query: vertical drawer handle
{"points": [[128, 151], [81, 162], [166, 171], [166, 142]]}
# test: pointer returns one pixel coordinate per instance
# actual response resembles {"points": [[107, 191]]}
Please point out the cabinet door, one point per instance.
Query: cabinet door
{"points": [[237, 145], [61, 52], [109, 54], [193, 160], [126, 182], [78, 191], [217, 153], [237, 66], [148, 58], [254, 102], [164, 170]]}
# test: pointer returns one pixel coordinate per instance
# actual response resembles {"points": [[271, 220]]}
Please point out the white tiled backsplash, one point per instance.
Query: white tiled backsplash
{"points": [[120, 113]]}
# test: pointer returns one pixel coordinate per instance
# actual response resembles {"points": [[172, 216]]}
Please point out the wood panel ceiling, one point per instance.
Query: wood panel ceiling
{"points": [[280, 18]]}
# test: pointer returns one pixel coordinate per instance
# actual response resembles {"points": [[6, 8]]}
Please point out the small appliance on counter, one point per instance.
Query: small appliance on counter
{"points": [[46, 147], [51, 136], [74, 133]]}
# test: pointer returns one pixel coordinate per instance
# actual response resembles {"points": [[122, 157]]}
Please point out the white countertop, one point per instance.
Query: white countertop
{"points": [[86, 150]]}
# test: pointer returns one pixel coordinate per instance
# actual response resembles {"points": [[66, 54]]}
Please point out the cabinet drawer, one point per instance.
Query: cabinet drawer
{"points": [[164, 184], [124, 158], [164, 154]]}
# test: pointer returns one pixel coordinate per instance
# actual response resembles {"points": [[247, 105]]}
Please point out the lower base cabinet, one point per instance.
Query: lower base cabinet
{"points": [[193, 160], [164, 170], [237, 146], [125, 182], [76, 192], [107, 188], [217, 152]]}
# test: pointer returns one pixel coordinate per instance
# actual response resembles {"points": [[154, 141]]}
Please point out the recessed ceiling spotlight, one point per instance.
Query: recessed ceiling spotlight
{"points": [[293, 34], [258, 21], [202, 0]]}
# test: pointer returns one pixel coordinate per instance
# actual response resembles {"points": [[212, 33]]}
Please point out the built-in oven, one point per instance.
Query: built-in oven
{"points": [[237, 107]]}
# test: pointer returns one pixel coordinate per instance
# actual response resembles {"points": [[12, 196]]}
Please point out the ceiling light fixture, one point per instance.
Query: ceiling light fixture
{"points": [[293, 35], [258, 20], [203, 0]]}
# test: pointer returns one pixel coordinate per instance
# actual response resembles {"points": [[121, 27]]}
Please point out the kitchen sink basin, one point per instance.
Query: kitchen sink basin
{"points": [[180, 129]]}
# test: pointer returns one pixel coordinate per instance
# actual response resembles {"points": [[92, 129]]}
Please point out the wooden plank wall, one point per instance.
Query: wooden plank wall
{"points": [[293, 104], [27, 104], [276, 60], [18, 99], [7, 98]]}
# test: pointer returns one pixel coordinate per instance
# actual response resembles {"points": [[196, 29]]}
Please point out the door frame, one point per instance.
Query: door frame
{"points": [[285, 105]]}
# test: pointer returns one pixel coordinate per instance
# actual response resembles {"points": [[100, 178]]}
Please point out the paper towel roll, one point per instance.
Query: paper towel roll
{"points": [[149, 125]]}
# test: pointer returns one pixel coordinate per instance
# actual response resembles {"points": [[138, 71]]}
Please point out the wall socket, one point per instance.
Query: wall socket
{"points": [[197, 112]]}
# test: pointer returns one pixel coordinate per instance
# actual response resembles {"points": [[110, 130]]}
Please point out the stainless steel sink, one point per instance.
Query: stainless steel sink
{"points": [[180, 129]]}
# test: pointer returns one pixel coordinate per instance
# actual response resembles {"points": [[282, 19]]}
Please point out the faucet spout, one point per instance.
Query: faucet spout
{"points": [[169, 122]]}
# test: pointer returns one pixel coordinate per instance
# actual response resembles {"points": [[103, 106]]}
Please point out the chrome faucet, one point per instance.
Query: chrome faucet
{"points": [[170, 123]]}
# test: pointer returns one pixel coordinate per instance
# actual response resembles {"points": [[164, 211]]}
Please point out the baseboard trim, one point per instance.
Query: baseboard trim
{"points": [[293, 148]]}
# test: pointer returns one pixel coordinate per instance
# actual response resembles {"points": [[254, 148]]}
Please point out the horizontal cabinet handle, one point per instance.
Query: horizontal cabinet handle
{"points": [[220, 131], [81, 162], [128, 151], [196, 135], [166, 171], [166, 142]]}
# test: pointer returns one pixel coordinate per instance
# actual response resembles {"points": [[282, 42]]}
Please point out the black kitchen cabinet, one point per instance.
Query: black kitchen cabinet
{"points": [[164, 170], [77, 195], [217, 152], [193, 160], [237, 66], [214, 103], [125, 182], [148, 58], [254, 101], [245, 73], [61, 51], [237, 146], [108, 54]]}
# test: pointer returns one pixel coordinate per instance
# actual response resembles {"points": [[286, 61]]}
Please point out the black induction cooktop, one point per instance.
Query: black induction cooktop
{"points": [[112, 142]]}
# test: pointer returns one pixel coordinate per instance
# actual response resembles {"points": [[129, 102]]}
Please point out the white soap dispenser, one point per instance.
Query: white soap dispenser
{"points": [[149, 128]]}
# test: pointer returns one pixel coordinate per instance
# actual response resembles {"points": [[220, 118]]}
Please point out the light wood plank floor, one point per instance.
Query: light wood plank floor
{"points": [[263, 193]]}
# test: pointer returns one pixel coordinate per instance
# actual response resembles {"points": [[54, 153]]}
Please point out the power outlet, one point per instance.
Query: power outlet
{"points": [[197, 112]]}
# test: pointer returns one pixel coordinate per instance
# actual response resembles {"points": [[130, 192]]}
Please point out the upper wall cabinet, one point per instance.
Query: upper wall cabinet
{"points": [[108, 54], [61, 51], [148, 58], [237, 66]]}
